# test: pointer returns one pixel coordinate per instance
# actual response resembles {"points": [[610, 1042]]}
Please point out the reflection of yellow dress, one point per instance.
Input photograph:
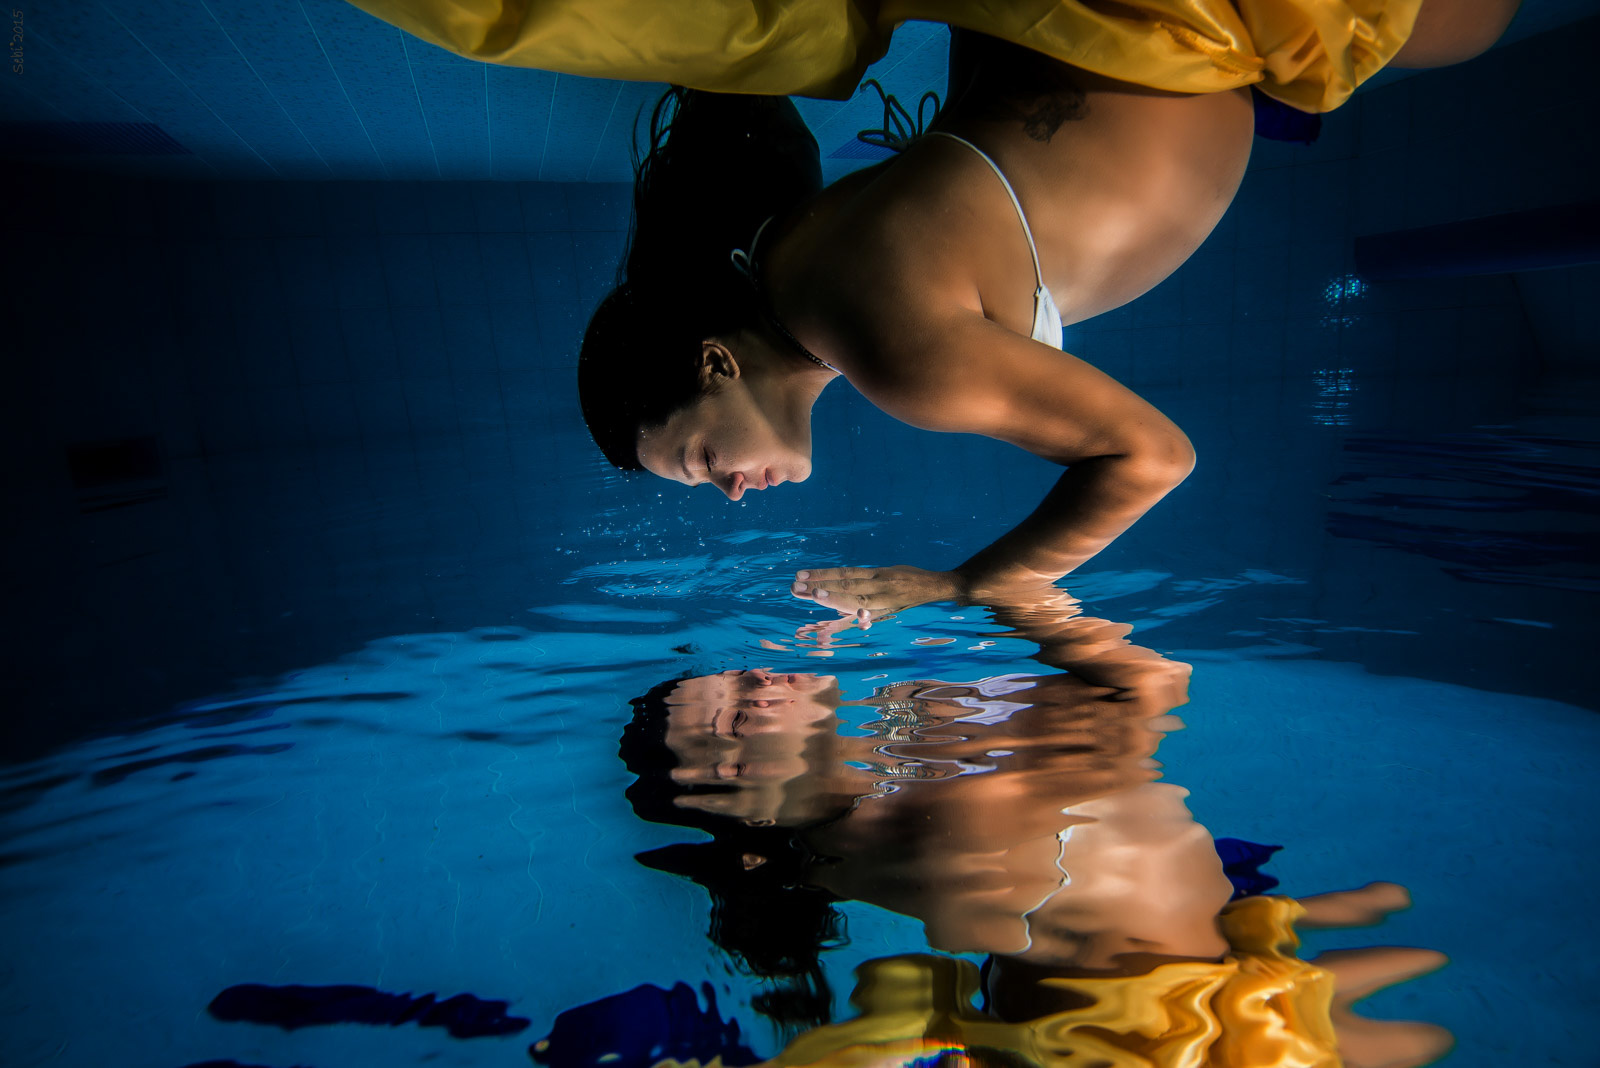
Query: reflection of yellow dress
{"points": [[1260, 1005], [1307, 53]]}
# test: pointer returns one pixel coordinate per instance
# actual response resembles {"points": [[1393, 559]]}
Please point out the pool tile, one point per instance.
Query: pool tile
{"points": [[449, 208], [369, 344], [458, 269], [381, 411], [1264, 208], [600, 206], [419, 331], [332, 415], [544, 207], [348, 208], [305, 272], [408, 269], [468, 340], [498, 207], [505, 267], [316, 338], [553, 258], [357, 270], [1206, 287], [561, 327], [515, 329]]}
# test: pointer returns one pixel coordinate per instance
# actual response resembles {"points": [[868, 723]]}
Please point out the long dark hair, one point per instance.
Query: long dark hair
{"points": [[716, 166], [764, 916]]}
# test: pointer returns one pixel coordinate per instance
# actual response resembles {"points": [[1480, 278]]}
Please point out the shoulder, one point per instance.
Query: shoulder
{"points": [[938, 367], [903, 228], [959, 372], [877, 296]]}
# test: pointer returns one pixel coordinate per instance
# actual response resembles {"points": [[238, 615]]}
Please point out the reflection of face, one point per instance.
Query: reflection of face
{"points": [[753, 732], [729, 439]]}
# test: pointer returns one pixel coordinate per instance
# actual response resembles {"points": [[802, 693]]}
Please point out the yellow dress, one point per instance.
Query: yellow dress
{"points": [[1310, 54], [1260, 1005]]}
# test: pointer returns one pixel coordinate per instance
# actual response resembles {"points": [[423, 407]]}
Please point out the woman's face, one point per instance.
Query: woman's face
{"points": [[752, 733], [732, 438]]}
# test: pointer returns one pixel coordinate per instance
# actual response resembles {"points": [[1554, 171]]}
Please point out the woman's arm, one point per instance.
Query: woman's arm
{"points": [[969, 375]]}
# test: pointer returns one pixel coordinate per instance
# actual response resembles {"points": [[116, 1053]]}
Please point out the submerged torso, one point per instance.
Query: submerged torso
{"points": [[1120, 185]]}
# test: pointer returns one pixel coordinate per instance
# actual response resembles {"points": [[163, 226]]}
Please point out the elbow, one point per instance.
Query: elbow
{"points": [[1163, 462], [1184, 460]]}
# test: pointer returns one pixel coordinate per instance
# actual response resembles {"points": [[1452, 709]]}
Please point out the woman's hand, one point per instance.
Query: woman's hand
{"points": [[868, 593]]}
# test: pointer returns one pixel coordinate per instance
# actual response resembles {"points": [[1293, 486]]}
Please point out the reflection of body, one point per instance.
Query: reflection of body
{"points": [[1020, 817], [804, 811], [940, 810]]}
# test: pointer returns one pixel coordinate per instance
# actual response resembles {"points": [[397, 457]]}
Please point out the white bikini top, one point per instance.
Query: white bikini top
{"points": [[1046, 316]]}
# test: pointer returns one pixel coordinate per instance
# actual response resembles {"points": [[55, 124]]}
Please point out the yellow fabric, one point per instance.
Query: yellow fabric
{"points": [[1260, 1005], [1307, 53]]}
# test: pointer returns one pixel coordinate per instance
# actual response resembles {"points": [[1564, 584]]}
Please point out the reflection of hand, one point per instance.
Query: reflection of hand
{"points": [[867, 593], [824, 631]]}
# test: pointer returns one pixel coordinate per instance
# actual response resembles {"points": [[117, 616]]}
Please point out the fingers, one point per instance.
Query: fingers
{"points": [[847, 594], [824, 574], [850, 591], [831, 579], [850, 601]]}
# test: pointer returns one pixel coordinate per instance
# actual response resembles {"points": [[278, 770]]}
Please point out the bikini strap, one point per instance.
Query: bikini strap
{"points": [[744, 262], [742, 259], [1027, 230]]}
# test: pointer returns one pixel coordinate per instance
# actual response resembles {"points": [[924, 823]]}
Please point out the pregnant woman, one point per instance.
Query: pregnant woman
{"points": [[1086, 149]]}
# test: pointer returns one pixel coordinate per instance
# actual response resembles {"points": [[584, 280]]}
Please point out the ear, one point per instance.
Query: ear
{"points": [[717, 365]]}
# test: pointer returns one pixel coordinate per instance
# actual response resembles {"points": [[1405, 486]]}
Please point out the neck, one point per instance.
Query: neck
{"points": [[782, 364], [746, 262], [780, 339]]}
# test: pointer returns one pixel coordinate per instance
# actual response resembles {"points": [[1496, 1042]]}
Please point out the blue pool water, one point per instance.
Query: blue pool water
{"points": [[439, 806]]}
